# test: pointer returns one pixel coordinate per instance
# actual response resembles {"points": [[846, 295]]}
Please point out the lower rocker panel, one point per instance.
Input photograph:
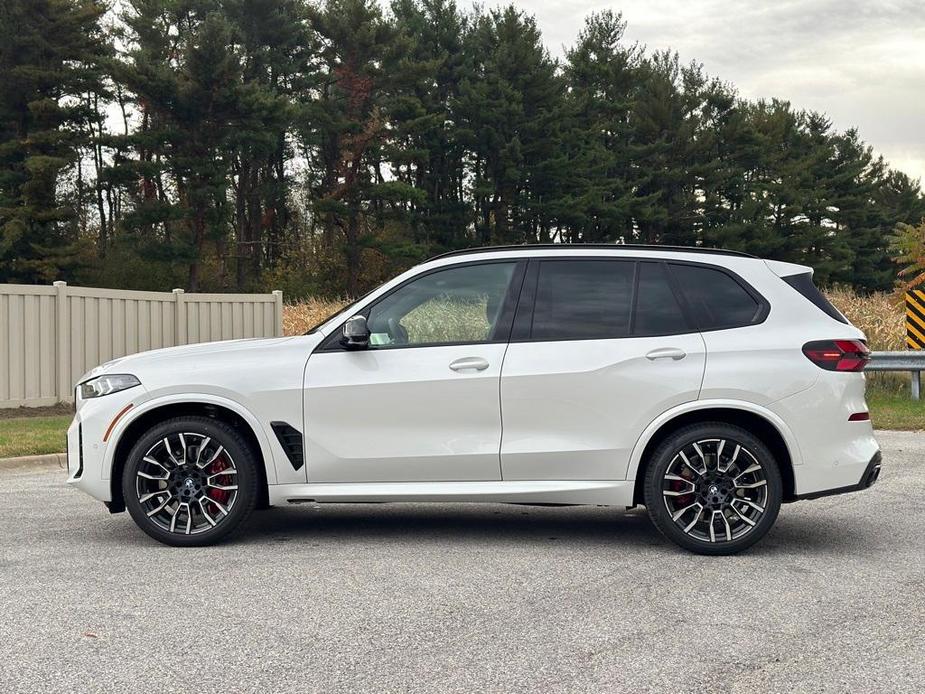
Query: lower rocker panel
{"points": [[604, 493]]}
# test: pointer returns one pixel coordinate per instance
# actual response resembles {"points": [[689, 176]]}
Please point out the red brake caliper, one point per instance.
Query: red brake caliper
{"points": [[678, 485], [219, 495]]}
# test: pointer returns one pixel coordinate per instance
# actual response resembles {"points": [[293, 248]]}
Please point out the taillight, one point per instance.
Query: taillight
{"points": [[837, 355]]}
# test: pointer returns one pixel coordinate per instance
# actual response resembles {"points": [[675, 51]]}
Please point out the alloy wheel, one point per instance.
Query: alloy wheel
{"points": [[715, 490], [186, 483]]}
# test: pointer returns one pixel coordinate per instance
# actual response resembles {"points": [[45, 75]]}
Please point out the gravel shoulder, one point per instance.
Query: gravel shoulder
{"points": [[463, 598]]}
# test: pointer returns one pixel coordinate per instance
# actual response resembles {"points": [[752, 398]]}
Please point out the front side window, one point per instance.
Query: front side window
{"points": [[456, 305], [716, 299], [583, 299]]}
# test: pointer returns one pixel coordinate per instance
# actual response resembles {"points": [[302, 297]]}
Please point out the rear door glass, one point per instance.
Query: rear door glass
{"points": [[657, 308], [583, 299]]}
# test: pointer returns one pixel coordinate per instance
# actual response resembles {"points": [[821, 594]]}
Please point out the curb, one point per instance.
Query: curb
{"points": [[58, 460]]}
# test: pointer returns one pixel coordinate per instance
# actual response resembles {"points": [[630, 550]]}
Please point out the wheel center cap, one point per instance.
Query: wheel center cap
{"points": [[714, 489]]}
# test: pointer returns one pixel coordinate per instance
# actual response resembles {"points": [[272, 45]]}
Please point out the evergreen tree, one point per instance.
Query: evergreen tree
{"points": [[276, 50], [602, 75], [510, 99], [49, 56], [347, 126], [331, 144], [186, 79], [668, 150], [425, 151]]}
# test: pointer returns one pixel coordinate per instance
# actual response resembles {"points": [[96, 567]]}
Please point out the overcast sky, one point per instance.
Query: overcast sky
{"points": [[862, 63]]}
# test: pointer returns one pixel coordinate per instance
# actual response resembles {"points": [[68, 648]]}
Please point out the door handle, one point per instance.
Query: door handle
{"points": [[666, 353], [469, 363]]}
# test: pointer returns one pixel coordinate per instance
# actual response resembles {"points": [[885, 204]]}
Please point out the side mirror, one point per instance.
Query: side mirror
{"points": [[356, 333]]}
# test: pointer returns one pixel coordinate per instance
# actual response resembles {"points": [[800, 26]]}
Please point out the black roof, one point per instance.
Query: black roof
{"points": [[586, 246]]}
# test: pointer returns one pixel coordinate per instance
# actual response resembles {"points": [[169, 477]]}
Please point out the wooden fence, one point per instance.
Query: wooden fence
{"points": [[50, 336]]}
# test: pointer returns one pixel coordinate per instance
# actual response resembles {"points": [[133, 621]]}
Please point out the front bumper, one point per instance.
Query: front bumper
{"points": [[868, 479], [86, 447]]}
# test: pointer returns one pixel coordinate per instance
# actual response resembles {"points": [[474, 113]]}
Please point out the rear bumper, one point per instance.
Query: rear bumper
{"points": [[868, 479]]}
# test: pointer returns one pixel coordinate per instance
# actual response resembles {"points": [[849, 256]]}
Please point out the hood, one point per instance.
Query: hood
{"points": [[127, 363]]}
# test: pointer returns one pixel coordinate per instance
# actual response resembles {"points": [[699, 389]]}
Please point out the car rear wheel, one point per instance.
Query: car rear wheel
{"points": [[190, 481], [713, 488]]}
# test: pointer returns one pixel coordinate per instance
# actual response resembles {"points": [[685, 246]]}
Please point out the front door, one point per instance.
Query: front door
{"points": [[422, 403]]}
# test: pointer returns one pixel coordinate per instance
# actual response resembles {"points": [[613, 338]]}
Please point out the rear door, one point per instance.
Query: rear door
{"points": [[600, 347]]}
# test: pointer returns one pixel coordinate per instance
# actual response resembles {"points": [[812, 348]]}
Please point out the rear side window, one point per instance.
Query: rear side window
{"points": [[657, 308], [803, 283], [715, 298], [583, 299]]}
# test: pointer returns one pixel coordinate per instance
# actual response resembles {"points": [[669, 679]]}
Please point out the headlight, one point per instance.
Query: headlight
{"points": [[106, 384]]}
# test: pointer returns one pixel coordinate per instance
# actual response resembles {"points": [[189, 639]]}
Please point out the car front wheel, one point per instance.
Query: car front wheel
{"points": [[190, 481], [713, 488]]}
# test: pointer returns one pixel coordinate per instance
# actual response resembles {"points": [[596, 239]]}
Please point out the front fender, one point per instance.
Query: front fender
{"points": [[789, 439], [132, 415]]}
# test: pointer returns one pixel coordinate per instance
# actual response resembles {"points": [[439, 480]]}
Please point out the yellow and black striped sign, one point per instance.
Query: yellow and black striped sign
{"points": [[915, 319]]}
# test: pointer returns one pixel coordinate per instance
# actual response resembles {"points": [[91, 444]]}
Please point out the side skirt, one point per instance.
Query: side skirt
{"points": [[602, 493]]}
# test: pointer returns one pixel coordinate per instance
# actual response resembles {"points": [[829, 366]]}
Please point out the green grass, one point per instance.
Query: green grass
{"points": [[895, 410], [33, 435]]}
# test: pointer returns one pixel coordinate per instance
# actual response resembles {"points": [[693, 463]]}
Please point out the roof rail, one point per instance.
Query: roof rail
{"points": [[586, 246]]}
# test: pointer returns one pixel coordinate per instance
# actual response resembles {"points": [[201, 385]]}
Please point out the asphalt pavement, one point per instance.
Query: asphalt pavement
{"points": [[465, 598]]}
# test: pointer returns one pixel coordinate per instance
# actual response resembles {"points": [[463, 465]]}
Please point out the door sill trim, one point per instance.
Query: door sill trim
{"points": [[597, 492]]}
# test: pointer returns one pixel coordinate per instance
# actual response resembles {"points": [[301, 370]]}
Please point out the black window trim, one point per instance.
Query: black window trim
{"points": [[331, 343], [761, 314], [523, 321], [525, 327], [520, 302]]}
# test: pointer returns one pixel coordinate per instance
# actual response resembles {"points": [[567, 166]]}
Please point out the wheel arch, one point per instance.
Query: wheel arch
{"points": [[768, 427], [153, 413]]}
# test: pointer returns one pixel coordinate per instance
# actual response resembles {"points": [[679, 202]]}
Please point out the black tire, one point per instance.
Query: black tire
{"points": [[732, 508], [199, 518]]}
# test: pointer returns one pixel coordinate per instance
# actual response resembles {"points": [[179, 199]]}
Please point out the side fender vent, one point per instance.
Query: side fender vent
{"points": [[291, 441]]}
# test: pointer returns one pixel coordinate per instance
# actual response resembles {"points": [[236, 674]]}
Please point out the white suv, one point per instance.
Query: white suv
{"points": [[710, 386]]}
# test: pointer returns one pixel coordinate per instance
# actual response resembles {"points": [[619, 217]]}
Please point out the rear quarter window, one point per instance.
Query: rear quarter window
{"points": [[716, 299]]}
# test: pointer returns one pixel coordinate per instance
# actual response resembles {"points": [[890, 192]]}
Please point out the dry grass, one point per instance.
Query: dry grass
{"points": [[299, 317], [879, 315], [882, 319]]}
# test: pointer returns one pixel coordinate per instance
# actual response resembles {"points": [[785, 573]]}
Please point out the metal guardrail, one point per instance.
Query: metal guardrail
{"points": [[914, 362]]}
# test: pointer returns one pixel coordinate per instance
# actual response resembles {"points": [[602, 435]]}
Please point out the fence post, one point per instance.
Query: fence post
{"points": [[279, 312], [180, 336], [916, 384], [62, 341]]}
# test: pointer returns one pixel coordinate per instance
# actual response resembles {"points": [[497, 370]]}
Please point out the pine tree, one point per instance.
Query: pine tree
{"points": [[424, 150], [276, 50], [670, 153], [49, 55], [602, 76], [510, 101], [345, 129], [186, 78]]}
